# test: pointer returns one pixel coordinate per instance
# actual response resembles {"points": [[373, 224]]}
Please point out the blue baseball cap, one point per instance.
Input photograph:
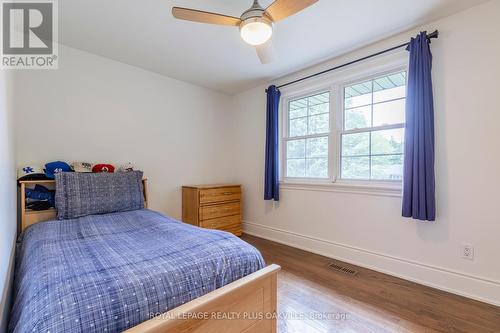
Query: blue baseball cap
{"points": [[55, 167]]}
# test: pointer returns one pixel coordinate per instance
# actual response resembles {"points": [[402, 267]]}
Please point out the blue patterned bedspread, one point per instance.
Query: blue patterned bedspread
{"points": [[107, 273]]}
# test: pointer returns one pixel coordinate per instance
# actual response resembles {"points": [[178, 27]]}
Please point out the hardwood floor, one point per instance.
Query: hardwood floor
{"points": [[368, 301]]}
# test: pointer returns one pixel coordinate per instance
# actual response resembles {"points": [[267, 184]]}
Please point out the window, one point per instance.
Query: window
{"points": [[349, 130], [373, 129], [306, 141]]}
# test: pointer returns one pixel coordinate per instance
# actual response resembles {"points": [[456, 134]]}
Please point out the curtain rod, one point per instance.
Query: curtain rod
{"points": [[434, 34]]}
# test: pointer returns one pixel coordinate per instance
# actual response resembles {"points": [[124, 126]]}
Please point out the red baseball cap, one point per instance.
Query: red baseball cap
{"points": [[103, 168]]}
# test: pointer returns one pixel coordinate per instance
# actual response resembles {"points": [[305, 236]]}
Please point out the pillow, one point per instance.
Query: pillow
{"points": [[81, 194]]}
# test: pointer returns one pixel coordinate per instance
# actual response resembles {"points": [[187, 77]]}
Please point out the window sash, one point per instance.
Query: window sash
{"points": [[287, 138], [342, 131]]}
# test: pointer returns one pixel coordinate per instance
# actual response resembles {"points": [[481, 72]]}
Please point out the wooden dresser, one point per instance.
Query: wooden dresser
{"points": [[213, 207]]}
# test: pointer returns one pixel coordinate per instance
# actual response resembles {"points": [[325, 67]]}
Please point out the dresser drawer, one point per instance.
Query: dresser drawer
{"points": [[214, 195], [215, 211], [221, 222], [233, 228]]}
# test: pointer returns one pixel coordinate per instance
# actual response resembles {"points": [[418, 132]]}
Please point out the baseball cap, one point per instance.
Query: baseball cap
{"points": [[30, 172], [126, 167], [103, 168], [55, 167], [81, 166]]}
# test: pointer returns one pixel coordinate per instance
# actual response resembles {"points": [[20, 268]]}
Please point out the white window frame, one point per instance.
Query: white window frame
{"points": [[335, 83]]}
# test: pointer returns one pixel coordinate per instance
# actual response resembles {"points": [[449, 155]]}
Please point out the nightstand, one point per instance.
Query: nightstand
{"points": [[213, 207]]}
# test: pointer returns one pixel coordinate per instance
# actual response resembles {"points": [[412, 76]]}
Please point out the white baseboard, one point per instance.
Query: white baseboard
{"points": [[474, 287]]}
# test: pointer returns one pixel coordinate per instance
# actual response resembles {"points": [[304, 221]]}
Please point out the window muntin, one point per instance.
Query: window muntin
{"points": [[307, 140], [372, 134]]}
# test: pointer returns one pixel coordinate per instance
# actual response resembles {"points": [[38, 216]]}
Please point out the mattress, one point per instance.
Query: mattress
{"points": [[107, 273]]}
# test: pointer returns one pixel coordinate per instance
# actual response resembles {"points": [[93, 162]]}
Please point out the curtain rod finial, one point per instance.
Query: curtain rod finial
{"points": [[434, 34]]}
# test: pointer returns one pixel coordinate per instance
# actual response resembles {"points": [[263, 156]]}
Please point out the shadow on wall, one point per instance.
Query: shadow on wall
{"points": [[7, 197], [6, 300], [271, 205]]}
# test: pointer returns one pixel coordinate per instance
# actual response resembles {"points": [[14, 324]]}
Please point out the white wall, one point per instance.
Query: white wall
{"points": [[368, 229], [99, 110], [7, 196]]}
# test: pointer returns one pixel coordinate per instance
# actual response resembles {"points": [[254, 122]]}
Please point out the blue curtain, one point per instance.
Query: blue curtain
{"points": [[271, 182], [418, 180]]}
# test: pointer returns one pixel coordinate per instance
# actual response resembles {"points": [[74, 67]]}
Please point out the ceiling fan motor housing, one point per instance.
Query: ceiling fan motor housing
{"points": [[255, 11]]}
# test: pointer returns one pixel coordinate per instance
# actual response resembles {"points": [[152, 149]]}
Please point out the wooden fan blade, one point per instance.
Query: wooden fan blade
{"points": [[281, 9], [265, 52], [204, 17]]}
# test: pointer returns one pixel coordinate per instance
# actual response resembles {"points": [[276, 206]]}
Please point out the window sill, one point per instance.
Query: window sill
{"points": [[365, 188]]}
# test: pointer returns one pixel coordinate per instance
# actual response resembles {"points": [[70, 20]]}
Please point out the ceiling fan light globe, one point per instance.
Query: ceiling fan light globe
{"points": [[256, 31]]}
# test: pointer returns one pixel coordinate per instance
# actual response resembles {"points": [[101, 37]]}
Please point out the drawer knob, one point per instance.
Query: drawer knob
{"points": [[228, 193]]}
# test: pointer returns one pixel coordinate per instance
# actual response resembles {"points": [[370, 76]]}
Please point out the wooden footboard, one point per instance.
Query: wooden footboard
{"points": [[246, 305]]}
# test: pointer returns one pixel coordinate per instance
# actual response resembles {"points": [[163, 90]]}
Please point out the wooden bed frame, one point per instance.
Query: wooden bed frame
{"points": [[245, 305]]}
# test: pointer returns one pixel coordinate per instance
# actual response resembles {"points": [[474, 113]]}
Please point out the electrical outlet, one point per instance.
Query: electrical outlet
{"points": [[467, 251]]}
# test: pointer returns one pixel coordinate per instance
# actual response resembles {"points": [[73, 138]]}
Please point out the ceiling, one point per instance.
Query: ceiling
{"points": [[144, 34]]}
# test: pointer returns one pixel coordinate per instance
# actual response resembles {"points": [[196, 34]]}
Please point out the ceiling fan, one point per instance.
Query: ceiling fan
{"points": [[256, 23]]}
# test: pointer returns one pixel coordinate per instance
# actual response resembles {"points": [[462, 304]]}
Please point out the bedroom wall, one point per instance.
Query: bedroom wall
{"points": [[7, 196], [368, 229], [99, 110]]}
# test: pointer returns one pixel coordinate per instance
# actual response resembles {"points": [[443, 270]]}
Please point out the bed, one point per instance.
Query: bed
{"points": [[140, 271]]}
